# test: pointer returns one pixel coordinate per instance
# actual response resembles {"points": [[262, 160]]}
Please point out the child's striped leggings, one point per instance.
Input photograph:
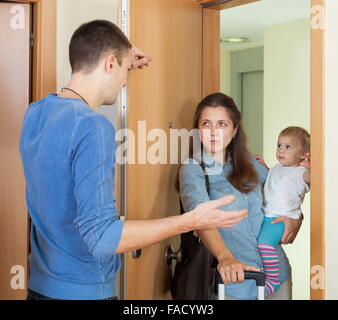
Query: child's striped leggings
{"points": [[268, 239]]}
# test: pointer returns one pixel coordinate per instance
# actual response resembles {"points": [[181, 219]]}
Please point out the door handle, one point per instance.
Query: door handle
{"points": [[171, 255], [136, 253]]}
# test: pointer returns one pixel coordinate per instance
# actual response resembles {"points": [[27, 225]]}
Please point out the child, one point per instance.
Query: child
{"points": [[284, 193]]}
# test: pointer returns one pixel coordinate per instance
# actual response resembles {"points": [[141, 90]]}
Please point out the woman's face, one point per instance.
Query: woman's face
{"points": [[216, 129]]}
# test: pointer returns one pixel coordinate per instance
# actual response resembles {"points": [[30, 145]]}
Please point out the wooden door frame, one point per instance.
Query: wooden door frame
{"points": [[211, 83], [43, 59], [44, 50]]}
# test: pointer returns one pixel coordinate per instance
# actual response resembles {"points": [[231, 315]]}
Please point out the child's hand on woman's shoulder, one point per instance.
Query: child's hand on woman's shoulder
{"points": [[260, 159]]}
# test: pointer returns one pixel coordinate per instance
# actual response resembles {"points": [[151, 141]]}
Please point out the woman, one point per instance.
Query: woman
{"points": [[231, 170]]}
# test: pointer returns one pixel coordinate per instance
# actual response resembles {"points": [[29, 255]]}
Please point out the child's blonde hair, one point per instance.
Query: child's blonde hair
{"points": [[299, 133]]}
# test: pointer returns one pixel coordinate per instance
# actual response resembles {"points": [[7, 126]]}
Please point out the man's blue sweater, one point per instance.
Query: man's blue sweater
{"points": [[68, 154]]}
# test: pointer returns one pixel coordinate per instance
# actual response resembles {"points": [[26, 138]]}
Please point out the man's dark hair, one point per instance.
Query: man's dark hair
{"points": [[94, 39]]}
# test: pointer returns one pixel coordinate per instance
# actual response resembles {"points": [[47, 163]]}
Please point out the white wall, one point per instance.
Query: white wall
{"points": [[331, 152], [70, 15], [287, 102], [225, 71]]}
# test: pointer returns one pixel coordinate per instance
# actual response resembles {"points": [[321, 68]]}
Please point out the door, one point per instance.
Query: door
{"points": [[15, 97], [247, 87], [165, 95], [252, 109]]}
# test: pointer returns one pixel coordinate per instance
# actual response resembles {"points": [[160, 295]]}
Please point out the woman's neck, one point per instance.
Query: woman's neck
{"points": [[220, 157]]}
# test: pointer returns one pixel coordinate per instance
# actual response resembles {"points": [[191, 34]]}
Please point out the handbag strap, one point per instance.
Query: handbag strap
{"points": [[206, 177]]}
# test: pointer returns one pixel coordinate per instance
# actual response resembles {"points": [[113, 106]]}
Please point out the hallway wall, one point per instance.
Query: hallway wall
{"points": [[70, 15]]}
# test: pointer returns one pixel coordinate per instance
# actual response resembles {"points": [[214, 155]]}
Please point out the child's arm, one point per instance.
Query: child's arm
{"points": [[307, 176]]}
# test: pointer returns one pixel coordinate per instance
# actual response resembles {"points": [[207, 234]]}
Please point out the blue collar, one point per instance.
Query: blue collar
{"points": [[213, 167]]}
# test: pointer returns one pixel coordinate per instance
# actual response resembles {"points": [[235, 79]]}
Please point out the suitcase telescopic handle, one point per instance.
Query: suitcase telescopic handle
{"points": [[259, 277]]}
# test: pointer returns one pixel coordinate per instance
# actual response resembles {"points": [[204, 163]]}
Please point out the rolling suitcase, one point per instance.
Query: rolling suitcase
{"points": [[259, 277]]}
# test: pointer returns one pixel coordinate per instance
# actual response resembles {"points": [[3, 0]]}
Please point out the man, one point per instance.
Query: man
{"points": [[68, 156]]}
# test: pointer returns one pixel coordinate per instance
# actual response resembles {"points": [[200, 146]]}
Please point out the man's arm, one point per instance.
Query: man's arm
{"points": [[137, 234]]}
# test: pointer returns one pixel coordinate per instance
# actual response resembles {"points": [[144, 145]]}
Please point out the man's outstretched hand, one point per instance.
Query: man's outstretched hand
{"points": [[208, 215]]}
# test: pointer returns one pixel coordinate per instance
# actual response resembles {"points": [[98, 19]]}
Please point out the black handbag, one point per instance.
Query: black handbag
{"points": [[194, 276]]}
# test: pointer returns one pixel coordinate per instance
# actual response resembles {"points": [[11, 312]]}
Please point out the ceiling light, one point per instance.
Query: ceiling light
{"points": [[234, 40]]}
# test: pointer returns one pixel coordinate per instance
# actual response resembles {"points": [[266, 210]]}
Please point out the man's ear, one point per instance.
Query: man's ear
{"points": [[110, 63]]}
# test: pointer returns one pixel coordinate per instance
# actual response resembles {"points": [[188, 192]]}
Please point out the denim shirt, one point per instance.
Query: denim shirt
{"points": [[241, 239]]}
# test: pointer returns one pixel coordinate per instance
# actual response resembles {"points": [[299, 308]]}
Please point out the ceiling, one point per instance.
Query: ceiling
{"points": [[250, 20]]}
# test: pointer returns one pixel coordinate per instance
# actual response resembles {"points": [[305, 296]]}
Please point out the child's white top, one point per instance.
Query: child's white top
{"points": [[284, 191]]}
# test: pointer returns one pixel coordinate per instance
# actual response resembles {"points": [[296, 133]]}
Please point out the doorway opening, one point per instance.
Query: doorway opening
{"points": [[265, 66]]}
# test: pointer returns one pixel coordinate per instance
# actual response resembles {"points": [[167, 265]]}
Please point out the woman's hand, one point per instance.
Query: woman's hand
{"points": [[292, 227], [260, 159], [140, 58], [232, 270]]}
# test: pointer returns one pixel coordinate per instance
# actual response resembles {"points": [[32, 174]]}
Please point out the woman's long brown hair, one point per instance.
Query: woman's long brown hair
{"points": [[243, 177]]}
